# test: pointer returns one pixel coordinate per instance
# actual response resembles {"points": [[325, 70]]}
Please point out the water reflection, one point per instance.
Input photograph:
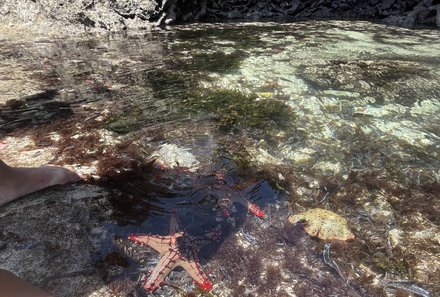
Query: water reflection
{"points": [[336, 115]]}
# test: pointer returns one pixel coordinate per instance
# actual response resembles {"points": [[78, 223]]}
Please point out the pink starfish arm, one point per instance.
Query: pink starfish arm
{"points": [[167, 262], [195, 270], [157, 242]]}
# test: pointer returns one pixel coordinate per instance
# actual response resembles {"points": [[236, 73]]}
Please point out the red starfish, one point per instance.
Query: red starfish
{"points": [[238, 196], [175, 250]]}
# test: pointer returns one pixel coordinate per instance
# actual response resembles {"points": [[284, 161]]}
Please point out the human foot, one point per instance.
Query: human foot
{"points": [[17, 182]]}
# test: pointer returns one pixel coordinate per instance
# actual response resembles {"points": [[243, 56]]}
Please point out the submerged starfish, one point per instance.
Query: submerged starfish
{"points": [[220, 185], [176, 249], [237, 195]]}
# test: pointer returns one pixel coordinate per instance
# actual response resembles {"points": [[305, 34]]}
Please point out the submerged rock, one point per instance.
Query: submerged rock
{"points": [[173, 156], [323, 224]]}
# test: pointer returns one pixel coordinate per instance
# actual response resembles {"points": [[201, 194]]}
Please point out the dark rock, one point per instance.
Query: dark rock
{"points": [[116, 15]]}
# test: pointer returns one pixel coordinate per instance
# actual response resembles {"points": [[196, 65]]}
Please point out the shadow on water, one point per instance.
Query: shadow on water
{"points": [[145, 199], [33, 110]]}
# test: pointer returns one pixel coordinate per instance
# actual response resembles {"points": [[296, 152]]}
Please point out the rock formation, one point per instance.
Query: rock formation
{"points": [[117, 15]]}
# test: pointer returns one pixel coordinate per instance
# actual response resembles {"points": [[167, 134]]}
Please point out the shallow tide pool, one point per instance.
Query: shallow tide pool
{"points": [[210, 125]]}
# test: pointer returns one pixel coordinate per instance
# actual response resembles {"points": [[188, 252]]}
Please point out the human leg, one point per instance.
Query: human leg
{"points": [[13, 286]]}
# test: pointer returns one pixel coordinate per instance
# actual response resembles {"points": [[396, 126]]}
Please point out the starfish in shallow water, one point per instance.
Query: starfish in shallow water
{"points": [[238, 194], [176, 249], [221, 185]]}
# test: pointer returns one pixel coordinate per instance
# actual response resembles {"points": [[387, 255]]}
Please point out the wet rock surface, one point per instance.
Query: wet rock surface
{"points": [[47, 239]]}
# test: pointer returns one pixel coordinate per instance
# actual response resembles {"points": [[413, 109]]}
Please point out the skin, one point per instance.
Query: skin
{"points": [[17, 182], [13, 286]]}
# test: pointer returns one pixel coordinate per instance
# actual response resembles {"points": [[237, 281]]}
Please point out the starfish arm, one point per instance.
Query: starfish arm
{"points": [[159, 243], [195, 270], [255, 210], [251, 207], [167, 262]]}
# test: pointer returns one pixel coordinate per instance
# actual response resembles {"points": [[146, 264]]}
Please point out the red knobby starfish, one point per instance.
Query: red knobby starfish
{"points": [[176, 249]]}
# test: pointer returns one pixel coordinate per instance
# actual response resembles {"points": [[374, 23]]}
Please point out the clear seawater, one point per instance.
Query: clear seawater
{"points": [[337, 115]]}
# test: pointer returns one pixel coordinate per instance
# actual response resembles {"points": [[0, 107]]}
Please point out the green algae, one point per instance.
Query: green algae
{"points": [[242, 161], [180, 94], [384, 80], [235, 109], [125, 123], [170, 84]]}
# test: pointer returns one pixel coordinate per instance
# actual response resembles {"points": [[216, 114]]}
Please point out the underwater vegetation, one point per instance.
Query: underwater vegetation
{"points": [[130, 119], [243, 38], [235, 110], [375, 173], [276, 259], [383, 80]]}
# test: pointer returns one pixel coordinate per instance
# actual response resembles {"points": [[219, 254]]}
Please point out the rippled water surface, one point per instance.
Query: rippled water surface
{"points": [[343, 116]]}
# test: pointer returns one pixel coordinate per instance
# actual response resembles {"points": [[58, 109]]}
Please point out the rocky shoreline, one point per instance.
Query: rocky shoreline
{"points": [[76, 16]]}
